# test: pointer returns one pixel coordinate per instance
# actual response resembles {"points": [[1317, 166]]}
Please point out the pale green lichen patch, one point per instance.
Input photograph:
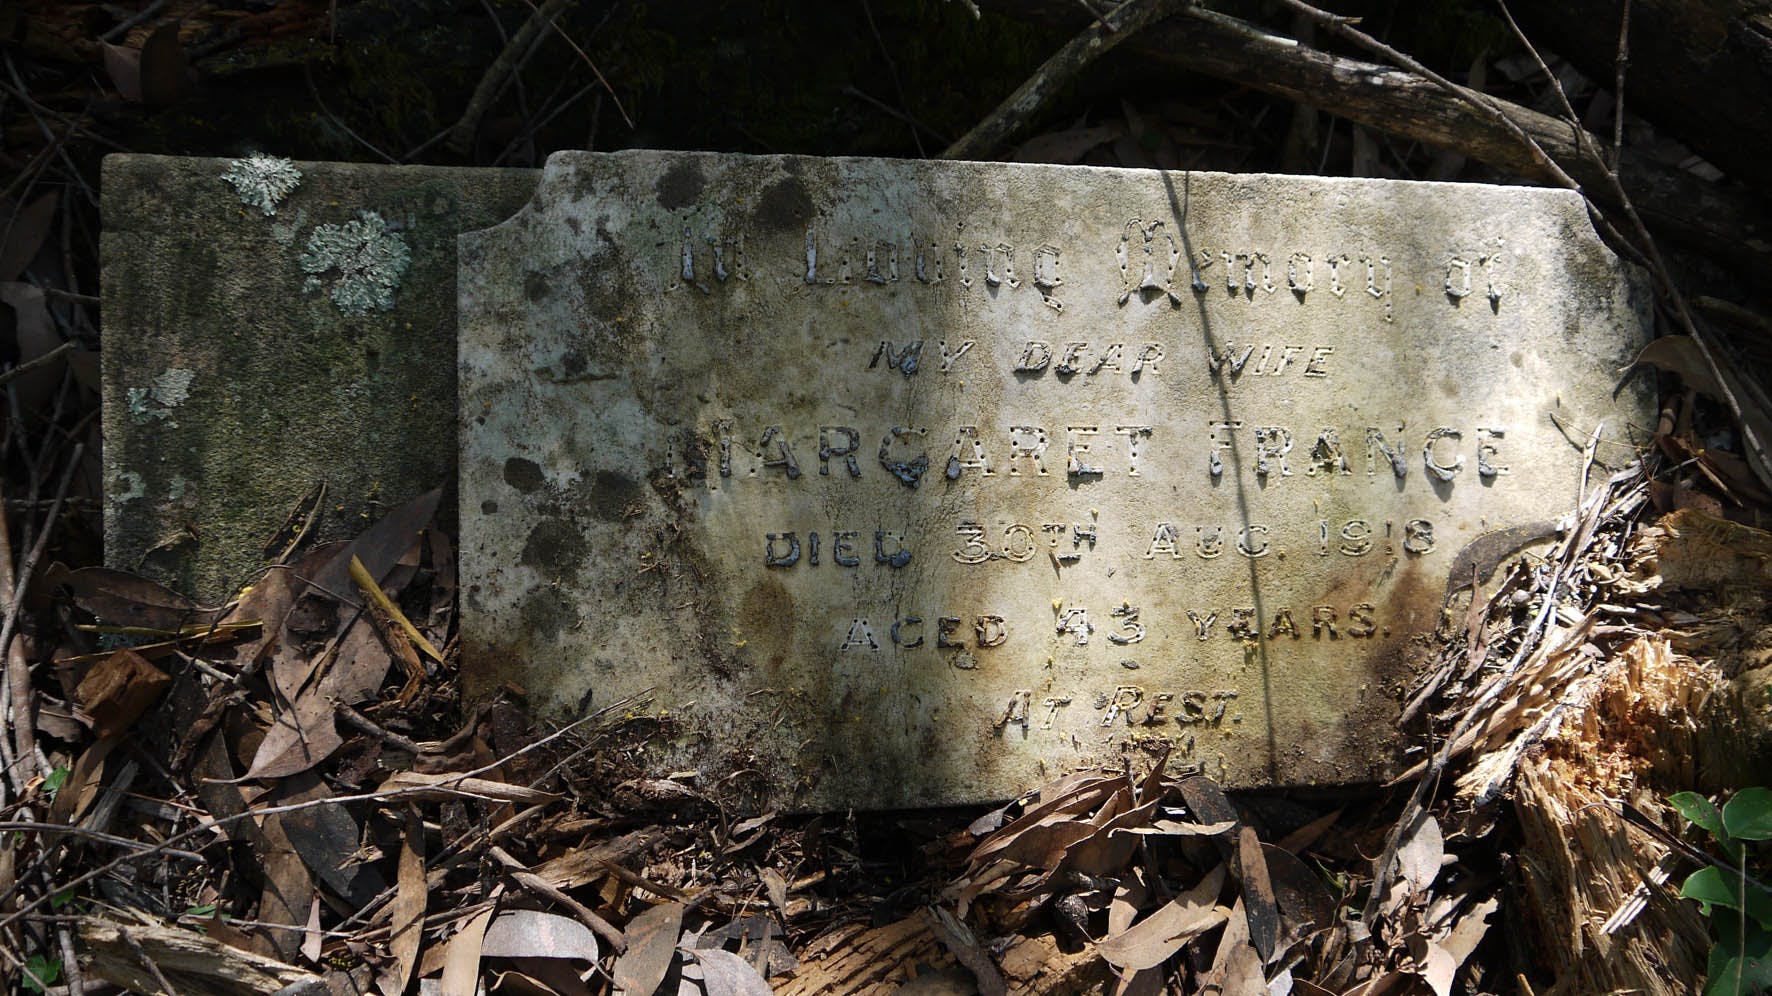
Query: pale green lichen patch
{"points": [[363, 260], [262, 181], [156, 401]]}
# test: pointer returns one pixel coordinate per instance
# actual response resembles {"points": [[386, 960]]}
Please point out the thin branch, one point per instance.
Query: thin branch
{"points": [[8, 376], [1618, 86], [1758, 457], [1094, 42], [308, 74], [18, 671], [892, 70], [124, 26]]}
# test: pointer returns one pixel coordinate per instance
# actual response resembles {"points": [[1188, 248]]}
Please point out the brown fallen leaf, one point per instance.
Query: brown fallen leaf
{"points": [[164, 74], [1434, 964], [726, 974], [436, 787], [1305, 904], [26, 234], [534, 934], [34, 332], [80, 789], [1242, 973], [119, 598], [1419, 857], [118, 690], [1151, 941], [1258, 894], [408, 909], [380, 546], [652, 944], [461, 965], [311, 939]]}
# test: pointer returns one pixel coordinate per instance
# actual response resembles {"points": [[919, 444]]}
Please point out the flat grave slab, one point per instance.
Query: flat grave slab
{"points": [[236, 379], [909, 483]]}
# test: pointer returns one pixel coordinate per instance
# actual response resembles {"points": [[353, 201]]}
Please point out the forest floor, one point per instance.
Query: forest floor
{"points": [[286, 794]]}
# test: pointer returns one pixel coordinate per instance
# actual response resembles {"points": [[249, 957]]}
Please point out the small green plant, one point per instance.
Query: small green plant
{"points": [[54, 781], [41, 972], [1737, 901]]}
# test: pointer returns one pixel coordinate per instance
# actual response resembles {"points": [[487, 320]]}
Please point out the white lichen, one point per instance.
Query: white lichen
{"points": [[362, 260], [262, 181], [156, 401], [128, 487]]}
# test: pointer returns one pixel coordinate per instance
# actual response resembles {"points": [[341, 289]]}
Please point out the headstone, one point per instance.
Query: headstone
{"points": [[237, 379], [908, 483]]}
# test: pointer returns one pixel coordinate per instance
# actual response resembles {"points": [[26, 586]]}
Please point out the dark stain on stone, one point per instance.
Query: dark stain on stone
{"points": [[546, 613], [556, 548], [768, 612], [612, 494], [680, 185], [785, 206], [574, 363], [524, 475], [489, 507], [535, 287]]}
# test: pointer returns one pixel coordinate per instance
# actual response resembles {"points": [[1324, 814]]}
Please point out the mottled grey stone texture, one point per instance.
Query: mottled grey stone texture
{"points": [[669, 360], [230, 391]]}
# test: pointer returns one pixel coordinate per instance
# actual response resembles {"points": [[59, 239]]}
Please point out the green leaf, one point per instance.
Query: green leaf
{"points": [[1748, 816], [61, 899], [55, 780], [41, 972], [1713, 887], [1738, 938], [1698, 810], [203, 910], [1740, 977]]}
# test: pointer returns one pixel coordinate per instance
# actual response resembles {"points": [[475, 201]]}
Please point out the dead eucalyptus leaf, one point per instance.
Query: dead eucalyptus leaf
{"points": [[726, 974], [1152, 940], [124, 67], [1469, 931], [380, 546], [1258, 894], [119, 598], [432, 787], [1067, 147], [534, 934], [1434, 964], [1419, 857], [118, 690], [461, 963], [408, 911], [165, 76], [28, 231], [652, 943]]}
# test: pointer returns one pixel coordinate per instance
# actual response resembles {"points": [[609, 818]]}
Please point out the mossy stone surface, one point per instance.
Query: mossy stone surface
{"points": [[230, 391]]}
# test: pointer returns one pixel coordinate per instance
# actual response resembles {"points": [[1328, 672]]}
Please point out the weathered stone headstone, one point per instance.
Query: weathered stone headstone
{"points": [[902, 483], [233, 387]]}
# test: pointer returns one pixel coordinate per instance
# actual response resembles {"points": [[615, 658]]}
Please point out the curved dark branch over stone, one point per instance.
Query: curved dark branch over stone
{"points": [[1718, 219]]}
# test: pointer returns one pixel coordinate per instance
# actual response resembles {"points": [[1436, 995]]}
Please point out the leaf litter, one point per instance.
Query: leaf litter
{"points": [[390, 843]]}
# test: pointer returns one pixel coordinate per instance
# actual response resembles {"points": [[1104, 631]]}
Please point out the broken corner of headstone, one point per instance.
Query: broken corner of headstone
{"points": [[911, 483]]}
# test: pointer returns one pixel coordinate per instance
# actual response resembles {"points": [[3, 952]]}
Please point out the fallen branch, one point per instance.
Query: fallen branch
{"points": [[1716, 219], [1097, 40], [16, 583], [151, 958]]}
